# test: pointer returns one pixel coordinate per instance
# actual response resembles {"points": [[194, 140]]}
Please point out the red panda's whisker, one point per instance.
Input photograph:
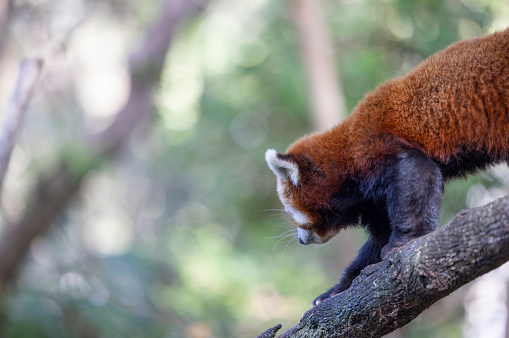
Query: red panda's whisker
{"points": [[282, 210], [288, 244], [292, 235], [284, 234]]}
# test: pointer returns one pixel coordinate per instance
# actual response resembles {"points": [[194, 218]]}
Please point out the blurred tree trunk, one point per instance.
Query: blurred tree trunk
{"points": [[390, 294], [326, 95]]}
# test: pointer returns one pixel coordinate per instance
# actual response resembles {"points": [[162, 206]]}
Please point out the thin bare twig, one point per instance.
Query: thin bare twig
{"points": [[29, 71]]}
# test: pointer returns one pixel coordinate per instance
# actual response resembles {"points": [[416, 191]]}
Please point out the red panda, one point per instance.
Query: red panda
{"points": [[385, 166]]}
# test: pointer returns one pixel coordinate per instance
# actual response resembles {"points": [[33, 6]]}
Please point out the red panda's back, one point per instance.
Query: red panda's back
{"points": [[455, 101]]}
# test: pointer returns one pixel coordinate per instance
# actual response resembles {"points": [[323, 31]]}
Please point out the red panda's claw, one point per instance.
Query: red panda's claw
{"points": [[320, 299]]}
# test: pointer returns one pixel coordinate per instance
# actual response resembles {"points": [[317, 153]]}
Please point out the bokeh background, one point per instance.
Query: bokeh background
{"points": [[179, 236]]}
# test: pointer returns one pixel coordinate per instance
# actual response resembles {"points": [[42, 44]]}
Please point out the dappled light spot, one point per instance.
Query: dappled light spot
{"points": [[399, 26], [178, 119], [220, 42], [479, 195], [178, 98], [74, 284], [501, 173], [108, 235], [468, 28], [102, 86], [500, 11], [103, 92], [252, 53], [227, 29]]}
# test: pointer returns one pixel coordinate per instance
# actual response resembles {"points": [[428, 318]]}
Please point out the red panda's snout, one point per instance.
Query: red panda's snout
{"points": [[308, 236], [305, 230]]}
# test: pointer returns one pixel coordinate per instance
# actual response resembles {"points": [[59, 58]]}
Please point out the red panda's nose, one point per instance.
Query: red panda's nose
{"points": [[305, 236]]}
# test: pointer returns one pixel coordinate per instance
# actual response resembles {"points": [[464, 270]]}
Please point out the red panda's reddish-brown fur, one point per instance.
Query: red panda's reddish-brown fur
{"points": [[385, 166], [455, 101]]}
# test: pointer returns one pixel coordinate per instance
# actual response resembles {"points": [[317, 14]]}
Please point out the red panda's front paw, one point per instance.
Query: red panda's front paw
{"points": [[324, 297], [320, 299]]}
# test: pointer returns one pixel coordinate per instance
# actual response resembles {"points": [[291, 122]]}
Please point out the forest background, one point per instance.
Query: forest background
{"points": [[179, 235]]}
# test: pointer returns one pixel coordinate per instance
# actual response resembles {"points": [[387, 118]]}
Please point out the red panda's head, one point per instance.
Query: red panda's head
{"points": [[307, 193]]}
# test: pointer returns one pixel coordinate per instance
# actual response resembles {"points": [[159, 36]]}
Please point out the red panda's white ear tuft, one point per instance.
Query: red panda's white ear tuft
{"points": [[284, 169]]}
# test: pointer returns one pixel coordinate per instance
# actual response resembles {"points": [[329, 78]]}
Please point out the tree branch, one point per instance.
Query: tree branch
{"points": [[56, 189], [390, 294]]}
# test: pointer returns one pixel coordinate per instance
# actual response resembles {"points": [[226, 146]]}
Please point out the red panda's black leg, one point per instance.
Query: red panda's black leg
{"points": [[368, 254], [414, 188]]}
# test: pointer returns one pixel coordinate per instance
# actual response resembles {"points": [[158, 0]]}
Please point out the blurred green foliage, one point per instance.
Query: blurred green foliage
{"points": [[178, 237]]}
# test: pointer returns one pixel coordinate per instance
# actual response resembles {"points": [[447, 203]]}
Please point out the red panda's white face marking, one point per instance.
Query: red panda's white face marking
{"points": [[288, 177], [298, 216]]}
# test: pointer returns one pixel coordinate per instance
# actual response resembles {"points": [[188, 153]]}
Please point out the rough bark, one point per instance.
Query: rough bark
{"points": [[55, 189], [390, 294]]}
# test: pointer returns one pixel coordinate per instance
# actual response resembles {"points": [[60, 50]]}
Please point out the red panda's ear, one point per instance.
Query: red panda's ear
{"points": [[284, 168]]}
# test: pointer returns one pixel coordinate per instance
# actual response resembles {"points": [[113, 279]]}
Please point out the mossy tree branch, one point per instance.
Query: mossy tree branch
{"points": [[390, 294]]}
